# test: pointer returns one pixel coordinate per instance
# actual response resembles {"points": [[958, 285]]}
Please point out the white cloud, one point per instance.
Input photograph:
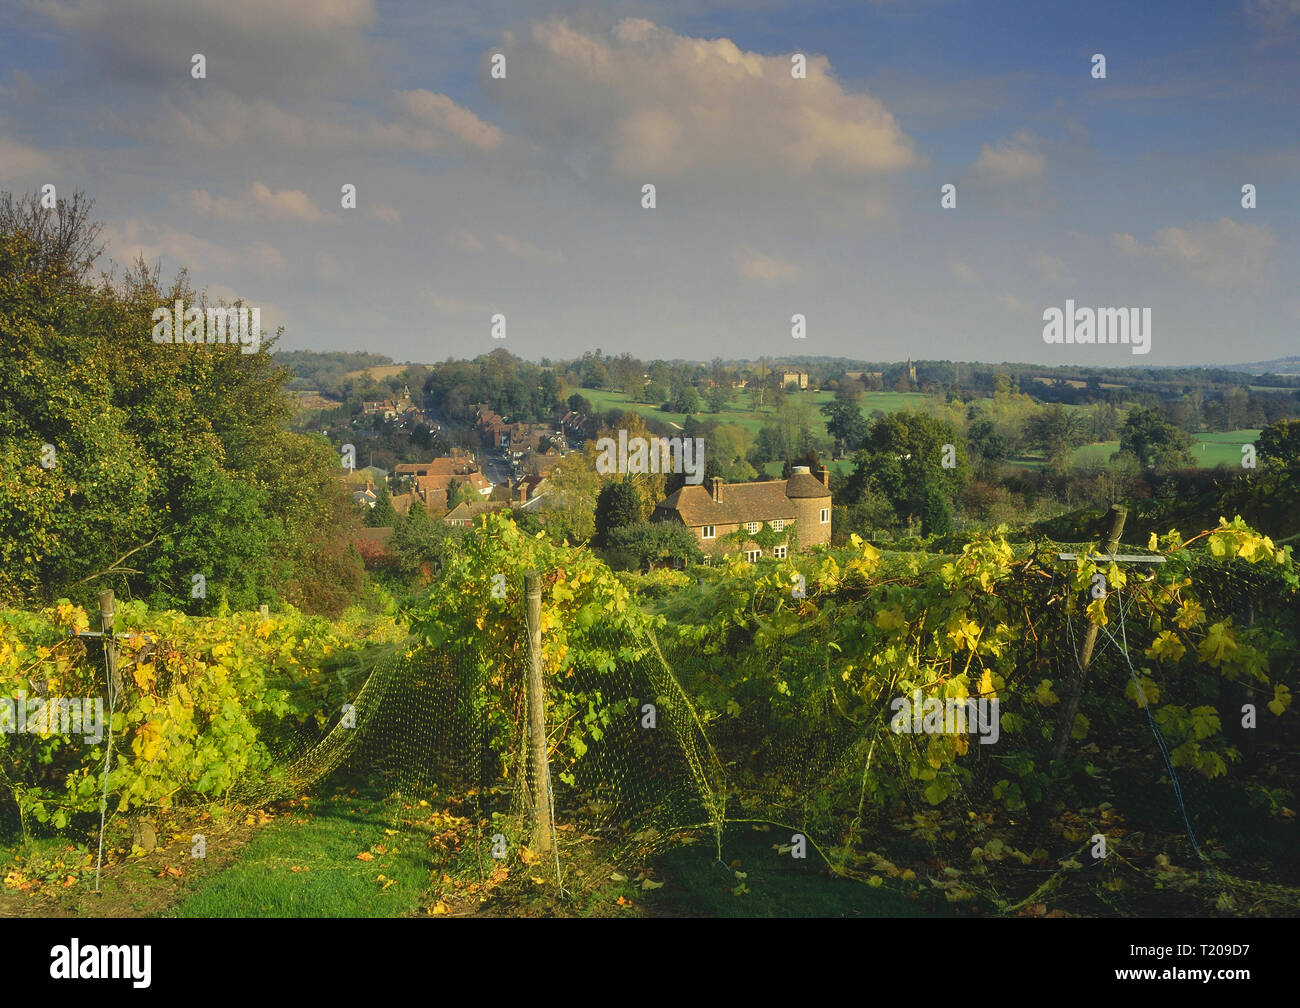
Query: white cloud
{"points": [[260, 203], [1050, 268], [1015, 159], [430, 116], [754, 265], [1221, 253], [265, 256], [662, 104], [465, 240], [525, 250], [125, 239], [963, 272], [420, 121]]}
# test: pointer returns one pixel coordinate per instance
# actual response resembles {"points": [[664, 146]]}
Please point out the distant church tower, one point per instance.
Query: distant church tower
{"points": [[911, 371]]}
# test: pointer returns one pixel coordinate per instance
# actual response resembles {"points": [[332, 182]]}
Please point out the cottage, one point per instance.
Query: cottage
{"points": [[725, 508]]}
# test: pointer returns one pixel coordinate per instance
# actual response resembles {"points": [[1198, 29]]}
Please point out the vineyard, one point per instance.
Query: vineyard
{"points": [[1140, 758]]}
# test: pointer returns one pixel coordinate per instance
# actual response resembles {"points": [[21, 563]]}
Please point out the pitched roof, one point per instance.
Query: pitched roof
{"points": [[697, 507], [468, 509], [743, 502], [379, 536]]}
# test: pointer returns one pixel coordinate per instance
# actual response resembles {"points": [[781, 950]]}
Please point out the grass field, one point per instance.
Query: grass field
{"points": [[1209, 450], [737, 411]]}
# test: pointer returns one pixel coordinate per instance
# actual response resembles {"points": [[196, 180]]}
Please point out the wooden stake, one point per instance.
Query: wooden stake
{"points": [[1075, 696], [541, 839]]}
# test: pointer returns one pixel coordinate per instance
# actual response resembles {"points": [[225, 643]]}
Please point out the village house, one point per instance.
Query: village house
{"points": [[465, 513], [799, 379], [726, 508]]}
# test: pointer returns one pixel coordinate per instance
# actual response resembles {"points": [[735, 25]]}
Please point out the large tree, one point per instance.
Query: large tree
{"points": [[1155, 442], [165, 470]]}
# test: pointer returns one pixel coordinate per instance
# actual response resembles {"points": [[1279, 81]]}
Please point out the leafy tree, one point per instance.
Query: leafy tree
{"points": [[168, 460], [643, 544], [902, 459], [460, 493], [580, 404], [1155, 442], [616, 506], [845, 423], [382, 514], [717, 398], [1280, 442]]}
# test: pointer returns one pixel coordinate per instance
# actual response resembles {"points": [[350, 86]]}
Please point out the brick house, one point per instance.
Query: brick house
{"points": [[725, 508]]}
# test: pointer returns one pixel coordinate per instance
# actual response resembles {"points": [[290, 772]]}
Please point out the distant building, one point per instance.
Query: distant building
{"points": [[799, 379], [465, 513], [726, 508]]}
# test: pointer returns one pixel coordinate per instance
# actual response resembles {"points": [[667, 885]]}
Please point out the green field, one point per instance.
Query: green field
{"points": [[737, 411], [1209, 450]]}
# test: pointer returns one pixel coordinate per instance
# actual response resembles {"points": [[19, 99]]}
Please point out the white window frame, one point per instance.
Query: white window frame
{"points": [[826, 516], [779, 552], [709, 532], [752, 527], [778, 524], [753, 556]]}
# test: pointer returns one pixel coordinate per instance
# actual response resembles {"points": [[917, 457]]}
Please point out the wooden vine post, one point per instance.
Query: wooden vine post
{"points": [[541, 789], [1075, 696]]}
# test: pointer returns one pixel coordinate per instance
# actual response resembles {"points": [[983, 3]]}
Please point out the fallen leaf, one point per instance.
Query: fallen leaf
{"points": [[365, 855]]}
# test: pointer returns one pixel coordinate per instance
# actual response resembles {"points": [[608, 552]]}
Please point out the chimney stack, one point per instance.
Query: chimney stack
{"points": [[715, 488], [824, 476]]}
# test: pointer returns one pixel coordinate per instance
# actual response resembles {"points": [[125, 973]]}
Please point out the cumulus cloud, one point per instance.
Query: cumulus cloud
{"points": [[661, 104], [465, 240], [1050, 268], [963, 272], [1014, 159], [137, 236], [1221, 253], [754, 265], [419, 121], [526, 250], [260, 203], [438, 115]]}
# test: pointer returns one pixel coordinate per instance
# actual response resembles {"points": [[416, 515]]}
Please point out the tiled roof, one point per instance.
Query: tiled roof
{"points": [[696, 507], [804, 485], [742, 502]]}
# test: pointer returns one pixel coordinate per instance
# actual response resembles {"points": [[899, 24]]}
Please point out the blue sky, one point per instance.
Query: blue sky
{"points": [[775, 196]]}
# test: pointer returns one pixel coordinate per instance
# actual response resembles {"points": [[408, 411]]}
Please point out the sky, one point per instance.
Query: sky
{"points": [[775, 195]]}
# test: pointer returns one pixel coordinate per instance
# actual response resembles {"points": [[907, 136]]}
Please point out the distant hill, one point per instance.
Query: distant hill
{"points": [[1278, 366]]}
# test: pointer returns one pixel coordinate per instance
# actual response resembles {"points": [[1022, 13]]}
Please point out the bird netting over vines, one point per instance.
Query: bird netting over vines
{"points": [[1000, 729]]}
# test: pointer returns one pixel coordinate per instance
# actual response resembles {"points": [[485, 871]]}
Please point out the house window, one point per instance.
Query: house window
{"points": [[707, 532], [778, 524], [826, 516], [779, 552], [753, 526], [753, 555]]}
